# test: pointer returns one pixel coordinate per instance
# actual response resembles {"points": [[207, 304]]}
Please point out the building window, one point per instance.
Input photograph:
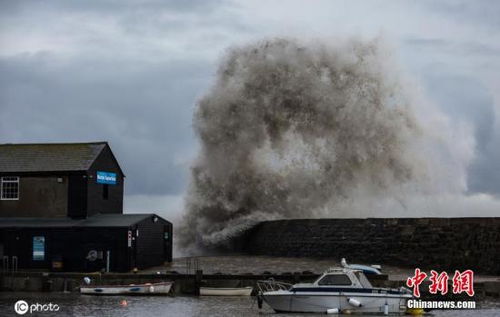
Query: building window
{"points": [[105, 191], [9, 188]]}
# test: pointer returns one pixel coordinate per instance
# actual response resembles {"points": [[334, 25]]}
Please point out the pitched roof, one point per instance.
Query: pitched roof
{"points": [[99, 220], [26, 222], [114, 220], [49, 157]]}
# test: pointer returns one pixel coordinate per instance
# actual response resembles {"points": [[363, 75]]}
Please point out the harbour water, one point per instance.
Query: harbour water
{"points": [[74, 304]]}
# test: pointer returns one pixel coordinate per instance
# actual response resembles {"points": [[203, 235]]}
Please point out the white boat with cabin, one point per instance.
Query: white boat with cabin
{"points": [[338, 290]]}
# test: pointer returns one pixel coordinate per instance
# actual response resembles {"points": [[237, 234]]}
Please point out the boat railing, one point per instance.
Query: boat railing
{"points": [[271, 285]]}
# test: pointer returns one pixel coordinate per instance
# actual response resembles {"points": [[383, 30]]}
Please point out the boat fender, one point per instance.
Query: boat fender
{"points": [[259, 301], [332, 311], [354, 302], [151, 289], [415, 311], [386, 309]]}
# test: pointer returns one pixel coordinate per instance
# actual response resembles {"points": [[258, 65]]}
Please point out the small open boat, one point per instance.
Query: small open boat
{"points": [[226, 291], [162, 288]]}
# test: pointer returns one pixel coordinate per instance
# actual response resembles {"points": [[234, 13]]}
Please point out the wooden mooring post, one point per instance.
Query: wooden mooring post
{"points": [[198, 277]]}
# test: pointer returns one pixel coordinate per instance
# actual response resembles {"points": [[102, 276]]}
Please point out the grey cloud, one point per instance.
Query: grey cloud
{"points": [[450, 47], [478, 12], [108, 83], [109, 6], [466, 99], [485, 173], [452, 74], [426, 42], [113, 86], [143, 110]]}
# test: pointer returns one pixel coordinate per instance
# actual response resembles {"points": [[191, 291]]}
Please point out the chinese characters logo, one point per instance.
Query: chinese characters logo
{"points": [[461, 282]]}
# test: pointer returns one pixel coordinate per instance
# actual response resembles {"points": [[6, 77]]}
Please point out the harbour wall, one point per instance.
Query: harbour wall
{"points": [[189, 283], [431, 243]]}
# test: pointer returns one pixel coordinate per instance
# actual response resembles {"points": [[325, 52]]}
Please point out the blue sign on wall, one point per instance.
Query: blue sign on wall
{"points": [[39, 248], [106, 178]]}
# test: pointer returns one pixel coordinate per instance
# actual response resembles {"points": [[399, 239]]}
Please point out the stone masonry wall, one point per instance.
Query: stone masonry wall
{"points": [[432, 243]]}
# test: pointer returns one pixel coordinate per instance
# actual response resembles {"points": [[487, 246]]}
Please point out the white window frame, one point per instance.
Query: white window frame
{"points": [[11, 179]]}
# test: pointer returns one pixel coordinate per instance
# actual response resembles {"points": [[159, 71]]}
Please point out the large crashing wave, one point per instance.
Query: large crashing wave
{"points": [[292, 130]]}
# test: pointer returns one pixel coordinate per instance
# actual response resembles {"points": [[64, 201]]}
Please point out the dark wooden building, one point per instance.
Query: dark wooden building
{"points": [[63, 204], [105, 241], [58, 180]]}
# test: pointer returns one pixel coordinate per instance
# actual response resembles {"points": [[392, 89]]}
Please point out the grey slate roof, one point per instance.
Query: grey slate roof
{"points": [[25, 222], [99, 220], [49, 157], [113, 220]]}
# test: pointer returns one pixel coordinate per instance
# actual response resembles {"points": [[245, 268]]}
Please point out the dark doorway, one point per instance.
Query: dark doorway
{"points": [[77, 196]]}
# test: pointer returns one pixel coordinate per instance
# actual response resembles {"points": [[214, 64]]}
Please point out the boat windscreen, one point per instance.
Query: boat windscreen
{"points": [[363, 280], [335, 279]]}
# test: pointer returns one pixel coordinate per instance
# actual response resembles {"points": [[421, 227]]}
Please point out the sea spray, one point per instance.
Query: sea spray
{"points": [[299, 130]]}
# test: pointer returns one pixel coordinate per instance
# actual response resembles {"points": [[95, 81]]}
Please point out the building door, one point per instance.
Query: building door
{"points": [[77, 196], [17, 244], [131, 249]]}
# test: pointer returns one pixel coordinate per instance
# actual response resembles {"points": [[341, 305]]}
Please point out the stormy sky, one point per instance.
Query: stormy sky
{"points": [[130, 72]]}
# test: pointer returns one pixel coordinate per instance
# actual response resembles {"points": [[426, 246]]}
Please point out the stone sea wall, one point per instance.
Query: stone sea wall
{"points": [[429, 243]]}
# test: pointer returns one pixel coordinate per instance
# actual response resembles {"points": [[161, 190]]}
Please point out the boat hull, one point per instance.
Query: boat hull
{"points": [[216, 291], [139, 289], [285, 301]]}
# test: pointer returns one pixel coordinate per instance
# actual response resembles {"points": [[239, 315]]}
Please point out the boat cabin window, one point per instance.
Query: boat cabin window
{"points": [[363, 280], [335, 279]]}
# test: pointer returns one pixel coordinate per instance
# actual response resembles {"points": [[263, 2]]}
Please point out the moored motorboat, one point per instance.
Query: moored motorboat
{"points": [[161, 288], [226, 291], [336, 290]]}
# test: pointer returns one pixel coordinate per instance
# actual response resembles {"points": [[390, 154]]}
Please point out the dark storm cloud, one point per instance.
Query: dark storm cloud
{"points": [[143, 110], [131, 71], [485, 173], [109, 70], [466, 100]]}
